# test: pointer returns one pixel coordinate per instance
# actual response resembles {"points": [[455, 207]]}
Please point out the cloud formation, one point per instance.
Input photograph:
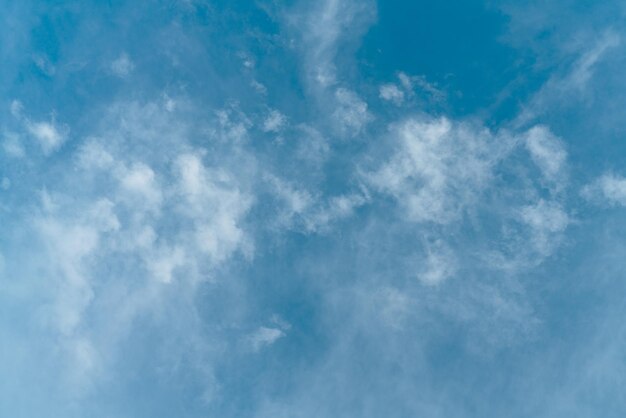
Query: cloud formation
{"points": [[267, 209]]}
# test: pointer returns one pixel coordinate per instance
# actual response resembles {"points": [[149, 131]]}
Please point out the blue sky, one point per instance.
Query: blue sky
{"points": [[337, 208]]}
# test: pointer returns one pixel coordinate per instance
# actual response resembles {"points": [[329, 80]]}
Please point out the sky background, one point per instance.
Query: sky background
{"points": [[334, 208]]}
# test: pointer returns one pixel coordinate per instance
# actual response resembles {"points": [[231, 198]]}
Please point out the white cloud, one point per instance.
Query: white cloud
{"points": [[164, 261], [220, 236], [313, 147], [548, 153], [583, 70], [438, 168], [141, 231], [45, 66], [258, 87], [439, 265], [547, 221], [17, 108], [103, 217], [324, 31], [280, 322], [247, 60], [567, 88], [68, 246], [609, 188], [232, 128], [264, 337], [410, 83], [215, 205], [295, 202], [442, 172], [169, 104], [333, 209], [330, 22], [392, 93], [351, 112], [140, 185], [92, 155], [274, 121], [304, 210], [545, 217], [49, 135], [208, 203], [122, 66], [406, 81]]}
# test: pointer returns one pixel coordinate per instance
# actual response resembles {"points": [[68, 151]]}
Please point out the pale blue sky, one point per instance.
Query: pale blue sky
{"points": [[337, 208]]}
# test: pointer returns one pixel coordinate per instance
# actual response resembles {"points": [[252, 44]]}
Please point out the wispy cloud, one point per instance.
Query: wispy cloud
{"points": [[609, 189], [122, 66], [279, 210], [439, 168]]}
